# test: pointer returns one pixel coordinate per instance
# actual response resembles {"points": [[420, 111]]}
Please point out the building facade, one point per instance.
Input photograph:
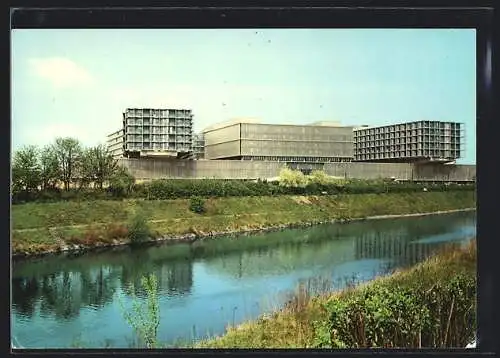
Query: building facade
{"points": [[422, 141], [250, 140], [116, 144], [199, 146], [157, 132]]}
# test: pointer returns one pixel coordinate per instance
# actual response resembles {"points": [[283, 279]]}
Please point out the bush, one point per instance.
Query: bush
{"points": [[197, 205], [121, 184], [139, 190], [292, 178], [49, 195], [137, 229], [294, 183], [385, 315], [321, 178]]}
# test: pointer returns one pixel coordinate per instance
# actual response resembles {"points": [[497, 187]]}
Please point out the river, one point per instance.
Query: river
{"points": [[66, 301]]}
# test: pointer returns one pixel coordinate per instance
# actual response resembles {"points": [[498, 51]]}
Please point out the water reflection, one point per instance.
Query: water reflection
{"points": [[201, 284]]}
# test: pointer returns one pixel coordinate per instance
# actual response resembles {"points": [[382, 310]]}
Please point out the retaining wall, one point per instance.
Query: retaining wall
{"points": [[147, 169]]}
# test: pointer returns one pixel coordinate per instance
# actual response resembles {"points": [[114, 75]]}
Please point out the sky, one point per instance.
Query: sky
{"points": [[77, 83]]}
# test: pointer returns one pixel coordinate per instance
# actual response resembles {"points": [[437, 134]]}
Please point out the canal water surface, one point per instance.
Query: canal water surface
{"points": [[63, 302]]}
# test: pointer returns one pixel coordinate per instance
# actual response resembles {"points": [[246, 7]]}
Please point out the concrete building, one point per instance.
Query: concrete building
{"points": [[422, 141], [244, 139], [151, 132], [115, 143], [199, 146]]}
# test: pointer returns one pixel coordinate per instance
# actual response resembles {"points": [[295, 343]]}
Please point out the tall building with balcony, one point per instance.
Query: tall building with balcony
{"points": [[149, 132], [421, 141]]}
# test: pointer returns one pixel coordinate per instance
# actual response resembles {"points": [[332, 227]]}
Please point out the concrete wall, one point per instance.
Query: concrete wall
{"points": [[222, 142], [223, 169], [223, 150], [292, 140], [400, 171], [270, 140], [145, 169], [438, 172]]}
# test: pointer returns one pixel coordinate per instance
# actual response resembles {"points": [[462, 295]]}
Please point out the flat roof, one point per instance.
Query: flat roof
{"points": [[115, 132], [159, 109], [357, 128], [233, 122]]}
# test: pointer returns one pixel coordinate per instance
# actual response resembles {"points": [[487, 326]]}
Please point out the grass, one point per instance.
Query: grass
{"points": [[294, 326], [40, 227]]}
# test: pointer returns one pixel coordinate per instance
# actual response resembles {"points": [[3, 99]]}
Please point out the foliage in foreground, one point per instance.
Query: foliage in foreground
{"points": [[431, 305], [382, 316], [145, 318]]}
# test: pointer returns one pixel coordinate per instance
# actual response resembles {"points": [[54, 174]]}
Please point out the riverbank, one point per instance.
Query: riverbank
{"points": [[443, 287], [74, 226]]}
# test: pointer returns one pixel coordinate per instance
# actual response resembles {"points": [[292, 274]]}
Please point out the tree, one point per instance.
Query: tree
{"points": [[86, 169], [50, 168], [98, 165], [69, 153], [26, 170], [121, 183]]}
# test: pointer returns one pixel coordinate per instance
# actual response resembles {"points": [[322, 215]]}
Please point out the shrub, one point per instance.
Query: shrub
{"points": [[385, 315], [49, 195], [321, 178], [292, 183], [137, 229], [145, 318], [197, 205], [292, 178], [139, 190], [121, 184]]}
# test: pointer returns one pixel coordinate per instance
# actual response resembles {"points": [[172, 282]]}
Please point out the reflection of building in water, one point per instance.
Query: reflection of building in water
{"points": [[176, 277], [393, 245], [281, 259]]}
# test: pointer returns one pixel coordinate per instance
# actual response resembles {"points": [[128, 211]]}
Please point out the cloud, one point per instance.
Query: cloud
{"points": [[61, 72]]}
